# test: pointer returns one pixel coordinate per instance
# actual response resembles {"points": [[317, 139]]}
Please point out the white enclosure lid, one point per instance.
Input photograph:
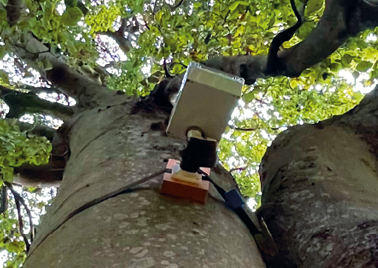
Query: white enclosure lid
{"points": [[206, 100]]}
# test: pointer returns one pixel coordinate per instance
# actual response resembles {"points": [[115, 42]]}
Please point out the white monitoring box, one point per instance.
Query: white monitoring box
{"points": [[206, 100]]}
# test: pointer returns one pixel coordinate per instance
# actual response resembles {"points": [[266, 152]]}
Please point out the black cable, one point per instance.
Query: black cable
{"points": [[264, 241], [238, 210], [126, 189], [220, 190]]}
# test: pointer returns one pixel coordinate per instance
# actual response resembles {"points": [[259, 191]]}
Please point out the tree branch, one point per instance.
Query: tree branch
{"points": [[123, 43], [37, 90], [274, 65], [50, 174], [84, 90], [341, 19], [71, 83], [38, 130], [18, 199], [244, 129], [238, 169], [14, 8], [122, 29], [119, 36], [21, 103], [173, 8]]}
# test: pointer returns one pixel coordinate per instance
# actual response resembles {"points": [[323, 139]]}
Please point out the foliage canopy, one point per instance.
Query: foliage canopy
{"points": [[85, 34]]}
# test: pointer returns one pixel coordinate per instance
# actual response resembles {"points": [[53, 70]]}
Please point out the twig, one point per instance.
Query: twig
{"points": [[274, 66], [238, 169], [166, 71], [155, 8], [250, 129], [122, 29], [172, 8], [30, 219], [19, 199], [145, 23], [176, 6], [242, 129], [225, 17], [261, 101], [34, 53], [245, 129]]}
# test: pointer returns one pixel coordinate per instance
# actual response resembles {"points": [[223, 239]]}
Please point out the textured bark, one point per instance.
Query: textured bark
{"points": [[111, 148], [320, 190]]}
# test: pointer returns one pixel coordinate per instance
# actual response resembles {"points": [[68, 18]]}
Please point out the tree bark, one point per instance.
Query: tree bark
{"points": [[111, 148], [320, 190]]}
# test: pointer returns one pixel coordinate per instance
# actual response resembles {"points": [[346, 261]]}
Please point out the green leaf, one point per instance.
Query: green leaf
{"points": [[15, 246], [4, 77], [247, 98], [313, 6], [159, 15], [335, 67], [3, 51], [47, 8], [47, 65], [71, 16], [346, 60], [236, 4], [363, 66], [197, 4], [70, 3], [374, 73]]}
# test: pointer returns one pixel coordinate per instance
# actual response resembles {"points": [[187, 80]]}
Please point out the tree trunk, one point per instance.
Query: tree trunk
{"points": [[111, 148], [320, 190], [319, 198]]}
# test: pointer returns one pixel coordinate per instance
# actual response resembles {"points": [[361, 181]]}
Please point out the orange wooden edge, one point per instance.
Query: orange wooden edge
{"points": [[195, 192]]}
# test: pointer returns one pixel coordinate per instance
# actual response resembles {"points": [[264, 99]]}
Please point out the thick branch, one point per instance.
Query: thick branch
{"points": [[44, 131], [37, 90], [273, 64], [123, 43], [49, 174], [119, 36], [14, 8], [21, 103], [18, 199], [87, 92], [341, 20], [71, 83]]}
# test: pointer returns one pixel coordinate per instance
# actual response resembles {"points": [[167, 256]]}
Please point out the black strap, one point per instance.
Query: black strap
{"points": [[235, 202], [264, 240]]}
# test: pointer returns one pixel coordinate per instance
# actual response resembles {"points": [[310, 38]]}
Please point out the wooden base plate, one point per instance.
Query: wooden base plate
{"points": [[196, 192]]}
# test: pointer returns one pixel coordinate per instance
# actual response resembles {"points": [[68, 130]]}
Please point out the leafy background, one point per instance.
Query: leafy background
{"points": [[178, 33]]}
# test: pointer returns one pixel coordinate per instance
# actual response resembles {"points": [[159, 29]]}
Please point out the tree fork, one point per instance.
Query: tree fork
{"points": [[319, 190]]}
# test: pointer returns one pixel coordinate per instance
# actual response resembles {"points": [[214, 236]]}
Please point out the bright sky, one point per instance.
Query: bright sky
{"points": [[3, 258]]}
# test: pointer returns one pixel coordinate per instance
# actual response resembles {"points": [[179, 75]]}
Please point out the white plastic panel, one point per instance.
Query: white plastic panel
{"points": [[206, 100]]}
